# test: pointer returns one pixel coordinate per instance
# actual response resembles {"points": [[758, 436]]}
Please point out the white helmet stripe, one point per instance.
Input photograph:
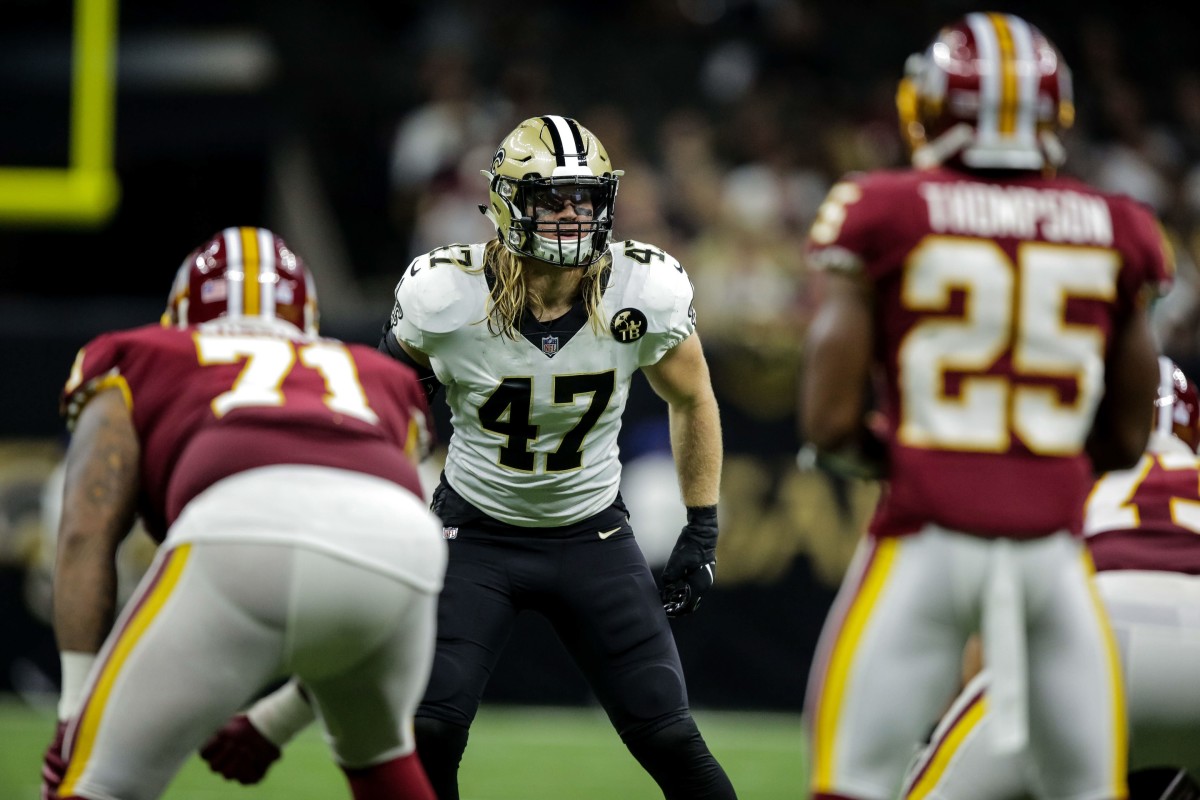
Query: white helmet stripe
{"points": [[1028, 78], [990, 75], [266, 273], [235, 279], [569, 154]]}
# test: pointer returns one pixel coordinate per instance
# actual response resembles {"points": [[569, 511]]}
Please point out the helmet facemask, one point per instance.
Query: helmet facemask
{"points": [[537, 232]]}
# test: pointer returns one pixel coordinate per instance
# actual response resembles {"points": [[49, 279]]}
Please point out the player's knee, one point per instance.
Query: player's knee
{"points": [[679, 760], [1162, 783], [440, 747]]}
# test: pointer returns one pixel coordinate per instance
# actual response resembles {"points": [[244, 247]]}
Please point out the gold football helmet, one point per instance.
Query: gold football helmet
{"points": [[552, 189]]}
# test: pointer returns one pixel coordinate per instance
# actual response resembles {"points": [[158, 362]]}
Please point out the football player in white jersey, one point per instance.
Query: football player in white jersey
{"points": [[535, 336]]}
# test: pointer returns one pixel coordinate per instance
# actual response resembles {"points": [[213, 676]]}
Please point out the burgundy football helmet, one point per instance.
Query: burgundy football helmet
{"points": [[1177, 409], [239, 273], [990, 91]]}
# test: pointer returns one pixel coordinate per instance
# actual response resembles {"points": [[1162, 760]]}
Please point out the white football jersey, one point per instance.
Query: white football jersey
{"points": [[535, 423]]}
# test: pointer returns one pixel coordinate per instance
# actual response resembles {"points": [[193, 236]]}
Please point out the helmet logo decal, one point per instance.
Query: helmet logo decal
{"points": [[213, 291], [628, 325], [285, 292], [498, 159]]}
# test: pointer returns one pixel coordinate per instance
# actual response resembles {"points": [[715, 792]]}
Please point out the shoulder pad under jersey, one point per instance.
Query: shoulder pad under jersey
{"points": [[657, 281], [436, 295]]}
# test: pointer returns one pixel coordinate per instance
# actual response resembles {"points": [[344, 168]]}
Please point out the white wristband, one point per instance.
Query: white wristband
{"points": [[75, 669], [282, 714]]}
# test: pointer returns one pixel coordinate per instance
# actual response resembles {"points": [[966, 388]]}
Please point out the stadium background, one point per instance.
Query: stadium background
{"points": [[356, 130]]}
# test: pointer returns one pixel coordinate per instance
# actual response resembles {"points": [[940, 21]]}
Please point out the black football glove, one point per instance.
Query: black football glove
{"points": [[692, 565]]}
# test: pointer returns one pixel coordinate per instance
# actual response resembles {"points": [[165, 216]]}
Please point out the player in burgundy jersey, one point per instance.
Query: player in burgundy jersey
{"points": [[1001, 311], [276, 469], [1141, 528]]}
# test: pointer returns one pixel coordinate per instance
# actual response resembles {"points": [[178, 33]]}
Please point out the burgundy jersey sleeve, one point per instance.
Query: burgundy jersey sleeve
{"points": [[144, 364], [210, 402], [96, 367], [856, 229], [1147, 518], [1148, 261]]}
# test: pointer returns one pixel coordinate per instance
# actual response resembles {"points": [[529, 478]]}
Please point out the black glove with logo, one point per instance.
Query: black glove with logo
{"points": [[692, 565]]}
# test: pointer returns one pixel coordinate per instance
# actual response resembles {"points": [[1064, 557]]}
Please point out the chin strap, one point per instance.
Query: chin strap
{"points": [[1052, 148], [935, 152], [960, 137]]}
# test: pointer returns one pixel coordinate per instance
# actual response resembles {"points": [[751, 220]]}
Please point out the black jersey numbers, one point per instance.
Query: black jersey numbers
{"points": [[645, 253], [508, 412], [569, 454], [459, 254]]}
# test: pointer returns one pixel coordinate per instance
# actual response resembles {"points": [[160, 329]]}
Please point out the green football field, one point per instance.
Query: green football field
{"points": [[515, 753]]}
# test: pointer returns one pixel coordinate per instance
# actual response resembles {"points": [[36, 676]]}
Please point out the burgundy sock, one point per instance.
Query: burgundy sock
{"points": [[399, 779]]}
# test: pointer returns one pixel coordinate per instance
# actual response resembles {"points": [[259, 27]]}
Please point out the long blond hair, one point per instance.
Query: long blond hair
{"points": [[510, 295]]}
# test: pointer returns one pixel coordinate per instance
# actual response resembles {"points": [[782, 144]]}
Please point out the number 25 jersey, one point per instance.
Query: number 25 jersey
{"points": [[996, 301], [535, 419]]}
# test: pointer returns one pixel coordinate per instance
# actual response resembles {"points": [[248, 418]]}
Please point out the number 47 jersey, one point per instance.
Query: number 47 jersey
{"points": [[996, 300], [535, 419], [224, 397]]}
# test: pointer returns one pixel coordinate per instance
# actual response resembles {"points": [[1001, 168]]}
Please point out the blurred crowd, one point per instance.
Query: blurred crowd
{"points": [[729, 149], [362, 136]]}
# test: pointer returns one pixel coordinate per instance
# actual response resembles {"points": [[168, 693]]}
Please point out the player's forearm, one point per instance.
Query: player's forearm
{"points": [[696, 445], [99, 497], [85, 592]]}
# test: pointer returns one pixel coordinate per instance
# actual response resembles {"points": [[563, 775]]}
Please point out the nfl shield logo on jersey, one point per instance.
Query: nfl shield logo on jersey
{"points": [[549, 345], [449, 533]]}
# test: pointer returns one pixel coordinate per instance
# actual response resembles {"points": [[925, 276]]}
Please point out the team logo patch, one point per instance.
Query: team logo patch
{"points": [[214, 291], [449, 533], [397, 315], [549, 345], [628, 325]]}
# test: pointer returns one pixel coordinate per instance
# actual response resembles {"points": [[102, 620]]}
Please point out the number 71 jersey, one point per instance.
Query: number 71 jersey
{"points": [[535, 420], [224, 397], [996, 299]]}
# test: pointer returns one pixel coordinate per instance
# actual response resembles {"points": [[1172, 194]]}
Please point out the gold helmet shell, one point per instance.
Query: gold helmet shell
{"points": [[543, 164]]}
